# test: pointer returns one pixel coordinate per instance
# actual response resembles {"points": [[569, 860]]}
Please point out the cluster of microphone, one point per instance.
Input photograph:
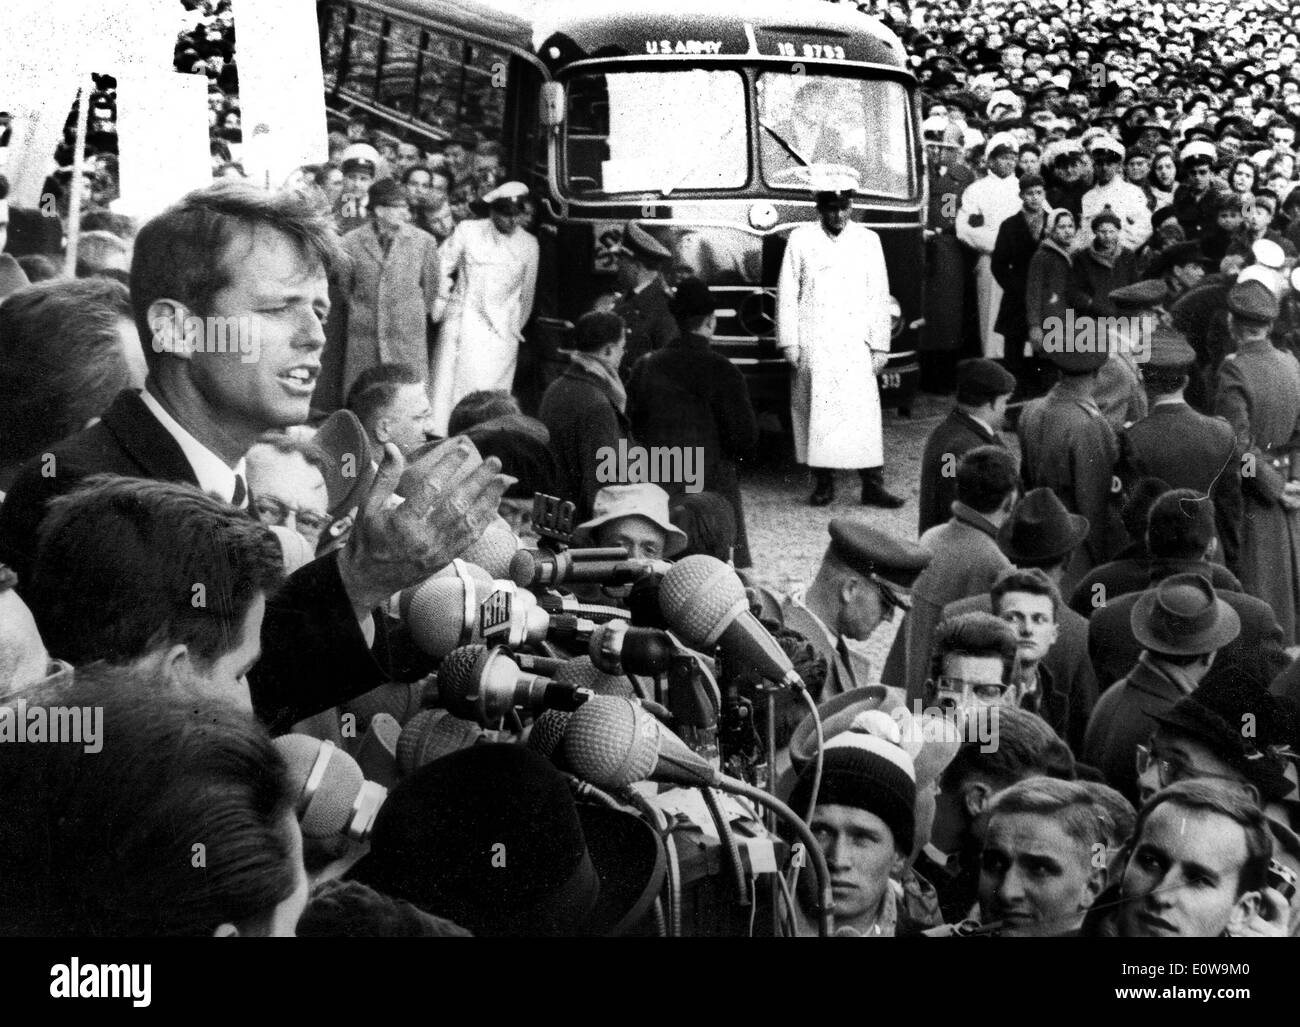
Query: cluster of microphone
{"points": [[510, 646]]}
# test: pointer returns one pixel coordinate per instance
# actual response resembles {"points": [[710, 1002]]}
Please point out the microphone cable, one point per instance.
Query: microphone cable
{"points": [[673, 878], [818, 757], [728, 839]]}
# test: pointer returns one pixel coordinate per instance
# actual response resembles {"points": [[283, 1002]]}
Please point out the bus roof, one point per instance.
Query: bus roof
{"points": [[563, 31]]}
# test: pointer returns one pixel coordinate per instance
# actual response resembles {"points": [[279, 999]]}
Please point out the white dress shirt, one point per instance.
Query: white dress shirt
{"points": [[213, 474]]}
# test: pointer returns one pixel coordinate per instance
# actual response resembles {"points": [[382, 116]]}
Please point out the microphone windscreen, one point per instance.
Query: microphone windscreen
{"points": [[611, 742], [431, 734], [457, 673], [377, 753], [700, 595], [582, 673], [399, 701], [295, 549], [329, 809], [546, 736], [435, 614], [494, 549]]}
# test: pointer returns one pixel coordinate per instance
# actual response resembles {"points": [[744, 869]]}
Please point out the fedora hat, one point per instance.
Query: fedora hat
{"points": [[491, 838], [1182, 616], [643, 499], [349, 473], [1040, 529]]}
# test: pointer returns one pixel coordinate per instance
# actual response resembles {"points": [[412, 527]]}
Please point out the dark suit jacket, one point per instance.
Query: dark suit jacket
{"points": [[1114, 650], [1014, 249], [582, 419], [1068, 665], [1188, 450], [1122, 721], [1120, 577], [313, 653], [650, 324], [955, 435]]}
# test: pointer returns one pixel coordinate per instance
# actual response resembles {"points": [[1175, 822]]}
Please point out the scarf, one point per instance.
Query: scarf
{"points": [[593, 365], [1178, 675]]}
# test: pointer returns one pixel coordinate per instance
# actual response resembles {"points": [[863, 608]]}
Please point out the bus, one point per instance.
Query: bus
{"points": [[693, 120]]}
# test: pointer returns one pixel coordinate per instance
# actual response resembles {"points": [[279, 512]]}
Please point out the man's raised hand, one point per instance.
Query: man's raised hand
{"points": [[452, 495]]}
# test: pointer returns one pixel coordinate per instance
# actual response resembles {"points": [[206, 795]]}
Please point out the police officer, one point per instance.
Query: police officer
{"points": [[1118, 392], [856, 587], [1259, 395], [1180, 446], [644, 302], [1068, 446]]}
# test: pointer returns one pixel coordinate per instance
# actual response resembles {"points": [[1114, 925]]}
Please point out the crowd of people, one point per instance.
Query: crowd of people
{"points": [[262, 458]]}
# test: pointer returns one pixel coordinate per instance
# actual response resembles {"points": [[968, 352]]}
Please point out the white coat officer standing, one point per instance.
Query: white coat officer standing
{"points": [[833, 328]]}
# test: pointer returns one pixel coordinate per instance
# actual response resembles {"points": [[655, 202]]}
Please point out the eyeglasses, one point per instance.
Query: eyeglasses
{"points": [[271, 511], [988, 691], [1170, 771]]}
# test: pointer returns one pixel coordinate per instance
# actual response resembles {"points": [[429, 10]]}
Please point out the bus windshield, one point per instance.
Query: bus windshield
{"points": [[807, 119], [656, 131]]}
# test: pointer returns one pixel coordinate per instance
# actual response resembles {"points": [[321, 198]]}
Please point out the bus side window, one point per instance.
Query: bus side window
{"points": [[332, 45], [436, 95], [363, 53], [397, 78]]}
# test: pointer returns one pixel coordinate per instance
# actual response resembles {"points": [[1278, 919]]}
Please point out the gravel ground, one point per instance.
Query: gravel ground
{"points": [[787, 536]]}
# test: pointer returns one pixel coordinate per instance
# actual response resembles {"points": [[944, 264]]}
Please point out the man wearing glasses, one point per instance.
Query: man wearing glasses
{"points": [[286, 479], [974, 656]]}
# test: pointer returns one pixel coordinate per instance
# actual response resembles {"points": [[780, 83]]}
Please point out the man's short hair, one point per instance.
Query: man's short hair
{"points": [[61, 361], [119, 225], [1068, 803], [185, 253], [1208, 796], [1026, 579], [479, 406], [986, 475], [96, 251], [100, 843], [283, 442], [1180, 525], [973, 634], [125, 566], [376, 387], [1026, 747], [1115, 812], [596, 330]]}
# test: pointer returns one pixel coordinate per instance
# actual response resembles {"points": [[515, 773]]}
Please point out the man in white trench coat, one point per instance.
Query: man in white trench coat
{"points": [[833, 328]]}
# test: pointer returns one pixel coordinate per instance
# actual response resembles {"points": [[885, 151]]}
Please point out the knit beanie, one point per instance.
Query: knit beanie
{"points": [[867, 768]]}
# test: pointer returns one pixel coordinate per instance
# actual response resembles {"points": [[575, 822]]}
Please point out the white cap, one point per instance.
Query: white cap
{"points": [[363, 152], [1268, 253], [1003, 98], [1198, 148], [506, 191], [1001, 139], [1107, 142], [833, 178], [1266, 276]]}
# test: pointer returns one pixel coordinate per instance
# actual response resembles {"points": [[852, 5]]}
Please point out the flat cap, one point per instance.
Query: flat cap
{"points": [[1140, 295], [986, 379], [1072, 361], [871, 551], [1170, 349], [642, 245], [1253, 302]]}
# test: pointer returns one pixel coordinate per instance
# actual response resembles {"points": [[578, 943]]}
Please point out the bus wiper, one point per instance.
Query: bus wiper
{"points": [[785, 144]]}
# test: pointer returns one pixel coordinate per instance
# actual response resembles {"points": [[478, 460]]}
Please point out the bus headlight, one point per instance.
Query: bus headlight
{"points": [[895, 319]]}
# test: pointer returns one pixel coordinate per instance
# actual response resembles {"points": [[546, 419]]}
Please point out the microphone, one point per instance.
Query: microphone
{"points": [[617, 648], [494, 549], [612, 742], [704, 603], [430, 735], [333, 796], [535, 568], [443, 612], [377, 752], [546, 736], [484, 685], [582, 673]]}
